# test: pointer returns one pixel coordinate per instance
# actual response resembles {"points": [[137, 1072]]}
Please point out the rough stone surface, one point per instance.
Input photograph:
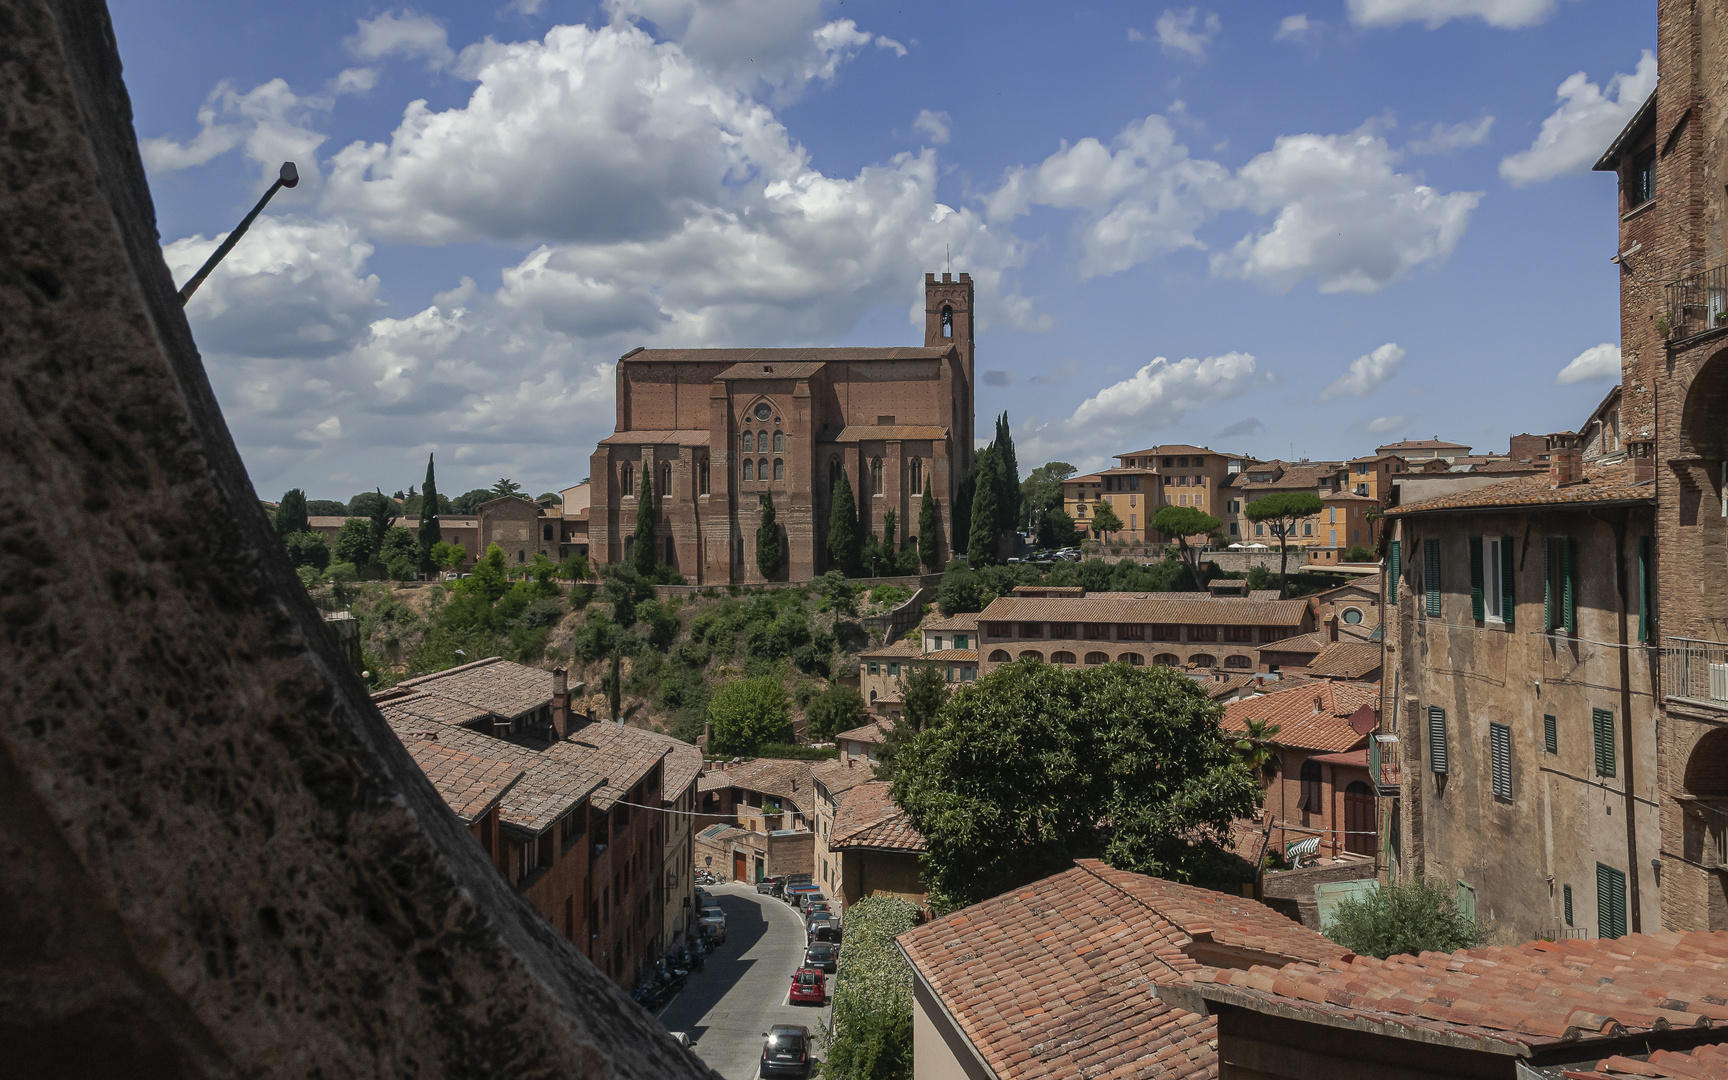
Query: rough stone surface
{"points": [[215, 860]]}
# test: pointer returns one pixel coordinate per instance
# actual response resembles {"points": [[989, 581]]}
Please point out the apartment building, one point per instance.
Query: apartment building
{"points": [[871, 847], [1371, 476], [1415, 450], [1323, 479], [949, 644], [1172, 475], [1129, 493], [832, 781]]}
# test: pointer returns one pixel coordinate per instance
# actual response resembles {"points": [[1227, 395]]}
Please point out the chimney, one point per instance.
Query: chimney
{"points": [[1643, 456], [1332, 628], [561, 702], [1565, 460]]}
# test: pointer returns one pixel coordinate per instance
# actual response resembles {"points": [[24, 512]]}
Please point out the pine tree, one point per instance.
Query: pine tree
{"points": [[429, 534], [642, 554], [290, 516], [927, 530], [843, 528], [768, 540], [986, 511]]}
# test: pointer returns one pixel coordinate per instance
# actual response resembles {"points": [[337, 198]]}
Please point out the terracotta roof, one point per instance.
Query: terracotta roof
{"points": [[953, 655], [868, 432], [1347, 660], [469, 783], [415, 705], [1262, 594], [966, 620], [868, 733], [1294, 478], [1053, 979], [1369, 583], [1357, 759], [1147, 608], [867, 818], [622, 755], [657, 437], [840, 777], [782, 778], [1601, 484], [1348, 496], [499, 686], [713, 780], [1421, 444], [1505, 999], [1504, 466], [1700, 1063], [1310, 715], [548, 789], [1176, 448], [897, 650], [322, 521], [1229, 684], [1312, 642], [683, 765]]}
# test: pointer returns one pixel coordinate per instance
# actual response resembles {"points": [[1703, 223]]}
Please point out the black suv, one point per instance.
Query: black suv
{"points": [[786, 1051]]}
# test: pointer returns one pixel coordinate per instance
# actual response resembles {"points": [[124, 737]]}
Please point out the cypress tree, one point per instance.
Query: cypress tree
{"points": [[290, 516], [768, 540], [986, 511], [960, 529], [889, 531], [927, 530], [843, 528], [429, 533], [642, 554], [1008, 496]]}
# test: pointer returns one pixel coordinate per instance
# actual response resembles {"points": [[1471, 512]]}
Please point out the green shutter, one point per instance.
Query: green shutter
{"points": [[1547, 585], [1392, 578], [1602, 727], [1476, 575], [1437, 738], [1550, 734], [1610, 902], [1567, 891], [1644, 561], [1465, 900], [1567, 549], [1508, 595], [1431, 574], [1500, 755]]}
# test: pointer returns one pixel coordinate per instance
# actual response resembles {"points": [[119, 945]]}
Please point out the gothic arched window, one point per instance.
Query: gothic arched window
{"points": [[875, 476], [947, 322], [917, 477], [761, 442], [749, 470], [665, 479], [625, 475], [749, 442], [762, 470], [833, 472], [779, 469], [779, 442], [702, 476]]}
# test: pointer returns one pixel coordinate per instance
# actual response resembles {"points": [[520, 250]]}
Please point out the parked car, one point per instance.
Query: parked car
{"points": [[771, 885], [809, 987], [822, 921], [800, 879], [713, 923], [786, 1051], [822, 955], [792, 894], [806, 899]]}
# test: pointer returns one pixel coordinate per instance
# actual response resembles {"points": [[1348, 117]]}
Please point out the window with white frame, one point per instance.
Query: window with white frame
{"points": [[1492, 593]]}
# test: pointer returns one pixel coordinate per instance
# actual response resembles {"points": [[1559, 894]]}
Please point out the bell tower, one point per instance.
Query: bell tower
{"points": [[948, 321]]}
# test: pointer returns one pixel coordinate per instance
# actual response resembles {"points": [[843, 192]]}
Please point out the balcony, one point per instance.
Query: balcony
{"points": [[1697, 304], [1695, 671]]}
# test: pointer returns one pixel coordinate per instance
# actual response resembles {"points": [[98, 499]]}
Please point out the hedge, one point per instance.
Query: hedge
{"points": [[872, 1036]]}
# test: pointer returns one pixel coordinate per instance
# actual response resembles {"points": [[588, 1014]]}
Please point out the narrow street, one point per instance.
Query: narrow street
{"points": [[727, 1007]]}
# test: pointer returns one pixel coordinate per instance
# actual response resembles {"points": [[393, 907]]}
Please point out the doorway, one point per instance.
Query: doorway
{"points": [[1360, 833], [738, 865]]}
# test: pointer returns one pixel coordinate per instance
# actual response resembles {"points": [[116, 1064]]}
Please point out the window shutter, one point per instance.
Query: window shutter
{"points": [[1431, 574], [1437, 738], [1567, 548], [1476, 576], [1566, 891], [1602, 725], [1610, 902], [1644, 561], [1392, 578], [1464, 899], [1508, 594], [1500, 751], [1550, 734], [1547, 586]]}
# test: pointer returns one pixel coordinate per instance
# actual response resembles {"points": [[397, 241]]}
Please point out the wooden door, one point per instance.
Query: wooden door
{"points": [[1359, 829], [738, 865]]}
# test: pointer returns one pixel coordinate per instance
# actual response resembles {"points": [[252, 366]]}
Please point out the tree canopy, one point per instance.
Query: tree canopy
{"points": [[843, 543], [745, 713], [1041, 491], [768, 550], [642, 555], [1282, 510], [923, 694], [290, 516], [354, 543], [1181, 522], [469, 502], [836, 709], [986, 508], [1104, 520], [927, 529], [1036, 764], [506, 486], [429, 534]]}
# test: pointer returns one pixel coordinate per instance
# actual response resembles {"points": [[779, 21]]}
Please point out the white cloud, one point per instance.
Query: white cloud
{"points": [[1576, 134], [1345, 216], [270, 121], [1597, 362], [1368, 373], [1444, 138], [937, 126], [1295, 28], [1135, 35], [1248, 425], [1505, 14], [1383, 424], [356, 80], [1177, 31], [404, 34]]}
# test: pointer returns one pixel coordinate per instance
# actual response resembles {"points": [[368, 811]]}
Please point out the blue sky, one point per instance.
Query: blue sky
{"points": [[1281, 229]]}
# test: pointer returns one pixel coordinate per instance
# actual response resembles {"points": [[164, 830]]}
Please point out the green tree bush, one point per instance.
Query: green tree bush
{"points": [[745, 713], [307, 549], [1182, 522], [1358, 553], [768, 550], [354, 543], [986, 509], [326, 508], [621, 586], [1402, 919], [1281, 511], [928, 529], [872, 1030], [469, 502], [960, 589], [843, 544], [1041, 492], [429, 534], [290, 516], [642, 555], [446, 556], [838, 594], [922, 695], [399, 553], [836, 709], [1104, 520]]}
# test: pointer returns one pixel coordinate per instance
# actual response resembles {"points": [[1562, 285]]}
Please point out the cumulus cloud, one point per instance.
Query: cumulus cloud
{"points": [[1368, 373], [270, 121], [1296, 27], [1380, 425], [1248, 425], [1505, 14], [1444, 138], [1597, 362], [938, 127], [1186, 31], [404, 34], [1575, 134], [1345, 216]]}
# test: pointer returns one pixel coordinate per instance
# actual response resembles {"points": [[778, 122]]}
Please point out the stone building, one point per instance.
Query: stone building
{"points": [[720, 429], [948, 644], [1322, 479], [1673, 420]]}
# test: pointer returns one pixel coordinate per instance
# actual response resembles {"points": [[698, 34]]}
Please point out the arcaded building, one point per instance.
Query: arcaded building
{"points": [[720, 428]]}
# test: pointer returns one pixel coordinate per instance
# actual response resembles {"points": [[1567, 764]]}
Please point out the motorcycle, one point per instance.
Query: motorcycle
{"points": [[649, 996]]}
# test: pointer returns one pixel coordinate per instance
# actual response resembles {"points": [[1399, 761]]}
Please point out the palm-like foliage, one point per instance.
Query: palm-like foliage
{"points": [[1259, 752]]}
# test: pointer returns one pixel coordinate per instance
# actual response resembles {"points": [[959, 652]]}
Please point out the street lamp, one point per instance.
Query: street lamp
{"points": [[287, 177]]}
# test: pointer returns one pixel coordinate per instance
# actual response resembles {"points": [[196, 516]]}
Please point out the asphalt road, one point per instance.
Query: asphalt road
{"points": [[727, 1006]]}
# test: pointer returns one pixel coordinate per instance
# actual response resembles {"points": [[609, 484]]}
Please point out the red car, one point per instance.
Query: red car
{"points": [[808, 986]]}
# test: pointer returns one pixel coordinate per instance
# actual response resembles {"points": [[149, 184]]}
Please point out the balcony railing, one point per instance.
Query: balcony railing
{"points": [[1695, 671], [1697, 303]]}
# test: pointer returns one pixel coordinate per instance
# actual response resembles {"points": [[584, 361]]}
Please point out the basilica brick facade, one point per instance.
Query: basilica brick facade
{"points": [[720, 428]]}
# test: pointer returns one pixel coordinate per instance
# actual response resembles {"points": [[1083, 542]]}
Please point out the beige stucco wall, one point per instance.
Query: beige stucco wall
{"points": [[931, 1057]]}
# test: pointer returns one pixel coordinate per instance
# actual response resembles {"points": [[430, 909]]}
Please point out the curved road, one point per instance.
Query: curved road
{"points": [[727, 1006]]}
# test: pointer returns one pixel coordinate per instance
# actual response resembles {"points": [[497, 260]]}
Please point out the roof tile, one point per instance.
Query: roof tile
{"points": [[1605, 483], [1312, 715], [1147, 608]]}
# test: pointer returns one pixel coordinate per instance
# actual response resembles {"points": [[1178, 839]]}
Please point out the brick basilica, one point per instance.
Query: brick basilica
{"points": [[719, 428]]}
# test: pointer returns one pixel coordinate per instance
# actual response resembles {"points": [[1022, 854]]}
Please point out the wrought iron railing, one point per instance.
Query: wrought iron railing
{"points": [[1696, 304], [1559, 933], [1696, 671]]}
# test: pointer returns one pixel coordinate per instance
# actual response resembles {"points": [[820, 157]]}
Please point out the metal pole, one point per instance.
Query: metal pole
{"points": [[288, 177]]}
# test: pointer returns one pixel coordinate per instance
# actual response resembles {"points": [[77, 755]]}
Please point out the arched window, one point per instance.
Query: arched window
{"points": [[917, 477], [1165, 659], [665, 479], [872, 697], [546, 532], [779, 469], [1032, 654], [761, 442], [1239, 661], [1132, 659], [749, 442], [626, 475], [702, 476], [1093, 659], [875, 476], [1352, 615], [749, 470], [1062, 658], [1202, 660], [671, 552], [947, 322], [779, 442], [833, 472], [1310, 800], [999, 656], [762, 470]]}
